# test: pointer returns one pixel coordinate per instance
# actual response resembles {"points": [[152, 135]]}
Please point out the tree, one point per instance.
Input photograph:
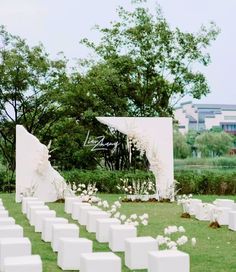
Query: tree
{"points": [[214, 143], [28, 83], [181, 148], [155, 63]]}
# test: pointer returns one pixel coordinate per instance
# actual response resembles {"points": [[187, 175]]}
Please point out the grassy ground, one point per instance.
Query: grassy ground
{"points": [[214, 251]]}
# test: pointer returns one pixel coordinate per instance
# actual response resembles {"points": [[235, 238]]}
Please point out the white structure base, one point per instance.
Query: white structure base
{"points": [[168, 261], [31, 263], [102, 228], [46, 235], [65, 231], [70, 250], [118, 234], [100, 262], [136, 251]]}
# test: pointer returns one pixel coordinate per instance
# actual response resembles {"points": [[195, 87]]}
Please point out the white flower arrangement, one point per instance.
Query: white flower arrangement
{"points": [[184, 200], [86, 192], [166, 242], [138, 188]]}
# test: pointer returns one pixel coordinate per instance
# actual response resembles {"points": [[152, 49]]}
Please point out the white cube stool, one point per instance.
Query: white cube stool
{"points": [[32, 203], [70, 250], [92, 216], [2, 208], [102, 228], [232, 220], [11, 231], [192, 205], [33, 210], [39, 216], [83, 212], [203, 211], [118, 234], [30, 263], [221, 202], [4, 213], [168, 260], [12, 247], [46, 235], [136, 251], [63, 231], [69, 201], [7, 221], [75, 209], [221, 214], [100, 262], [25, 200]]}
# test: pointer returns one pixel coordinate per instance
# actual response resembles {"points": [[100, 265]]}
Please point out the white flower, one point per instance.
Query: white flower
{"points": [[113, 210], [122, 217], [136, 223], [117, 215], [193, 241], [171, 245], [161, 240], [133, 216], [181, 229], [182, 240], [105, 204], [144, 222], [117, 204], [99, 203]]}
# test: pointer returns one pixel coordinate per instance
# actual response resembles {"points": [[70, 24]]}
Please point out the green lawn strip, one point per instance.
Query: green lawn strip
{"points": [[214, 251]]}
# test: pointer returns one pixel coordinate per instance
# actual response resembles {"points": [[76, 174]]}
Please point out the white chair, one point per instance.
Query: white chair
{"points": [[192, 205], [12, 247], [32, 212], [32, 203], [92, 217], [102, 228], [100, 262], [63, 231], [31, 263], [83, 212], [75, 209], [11, 231], [7, 221], [221, 214], [168, 261], [232, 220], [69, 201], [118, 234], [70, 250], [39, 216], [136, 251], [203, 211], [46, 235], [25, 200]]}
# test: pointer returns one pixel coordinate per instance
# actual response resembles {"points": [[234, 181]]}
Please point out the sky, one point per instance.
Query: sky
{"points": [[60, 24]]}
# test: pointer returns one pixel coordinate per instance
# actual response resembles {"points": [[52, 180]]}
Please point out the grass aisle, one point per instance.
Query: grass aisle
{"points": [[214, 251]]}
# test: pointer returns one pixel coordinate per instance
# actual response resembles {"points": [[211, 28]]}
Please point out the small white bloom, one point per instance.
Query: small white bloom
{"points": [[122, 217], [145, 222], [161, 240], [193, 241], [181, 229], [133, 216], [182, 240], [117, 215]]}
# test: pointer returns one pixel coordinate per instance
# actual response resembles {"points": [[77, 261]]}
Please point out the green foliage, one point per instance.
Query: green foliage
{"points": [[206, 181], [214, 143], [222, 162], [181, 148], [153, 62], [106, 181]]}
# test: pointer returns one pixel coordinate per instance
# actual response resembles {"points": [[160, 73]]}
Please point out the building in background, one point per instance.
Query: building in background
{"points": [[202, 117]]}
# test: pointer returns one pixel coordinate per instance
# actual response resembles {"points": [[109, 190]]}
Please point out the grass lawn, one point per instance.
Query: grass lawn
{"points": [[215, 249]]}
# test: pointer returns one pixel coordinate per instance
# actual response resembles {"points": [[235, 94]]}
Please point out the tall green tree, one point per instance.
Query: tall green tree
{"points": [[181, 148], [155, 63], [29, 81]]}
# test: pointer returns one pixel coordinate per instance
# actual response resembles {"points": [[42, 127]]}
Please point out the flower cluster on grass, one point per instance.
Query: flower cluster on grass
{"points": [[114, 212], [86, 192], [137, 187], [166, 241]]}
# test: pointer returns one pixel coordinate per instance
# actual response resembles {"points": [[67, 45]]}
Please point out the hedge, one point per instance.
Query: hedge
{"points": [[189, 181]]}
